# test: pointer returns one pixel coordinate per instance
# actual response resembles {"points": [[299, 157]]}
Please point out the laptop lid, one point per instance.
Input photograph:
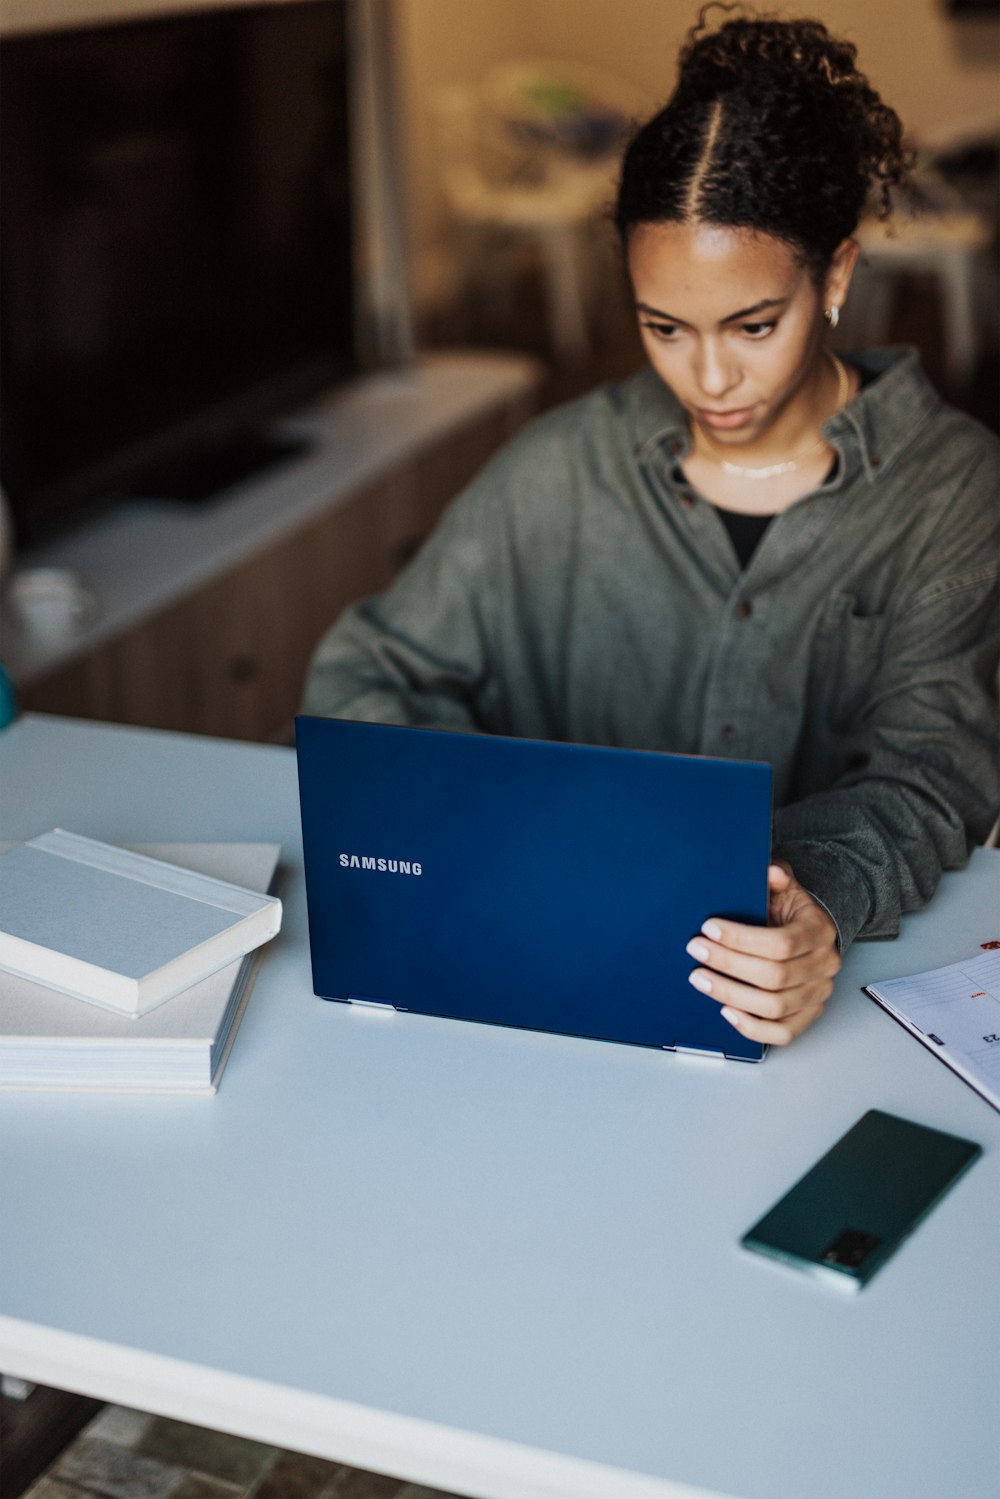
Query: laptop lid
{"points": [[547, 886]]}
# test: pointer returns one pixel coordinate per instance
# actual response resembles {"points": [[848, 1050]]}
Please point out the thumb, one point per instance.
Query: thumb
{"points": [[779, 878]]}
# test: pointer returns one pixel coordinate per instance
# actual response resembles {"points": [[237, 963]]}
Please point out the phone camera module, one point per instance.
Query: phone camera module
{"points": [[850, 1248]]}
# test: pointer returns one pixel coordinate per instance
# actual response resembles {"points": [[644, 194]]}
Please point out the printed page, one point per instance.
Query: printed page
{"points": [[957, 1012]]}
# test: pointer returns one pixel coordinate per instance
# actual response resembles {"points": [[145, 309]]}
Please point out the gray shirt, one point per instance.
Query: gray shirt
{"points": [[579, 589]]}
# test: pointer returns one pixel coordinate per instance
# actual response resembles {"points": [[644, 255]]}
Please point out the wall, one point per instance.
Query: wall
{"points": [[24, 15], [938, 72], [933, 69]]}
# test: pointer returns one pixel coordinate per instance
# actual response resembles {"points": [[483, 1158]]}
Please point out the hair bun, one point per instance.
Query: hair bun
{"points": [[804, 51], [772, 127]]}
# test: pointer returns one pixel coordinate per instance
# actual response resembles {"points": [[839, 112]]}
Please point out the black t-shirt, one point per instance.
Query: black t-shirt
{"points": [[746, 531]]}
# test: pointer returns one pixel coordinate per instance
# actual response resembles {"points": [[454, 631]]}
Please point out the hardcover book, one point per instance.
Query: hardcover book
{"points": [[118, 928], [50, 1040]]}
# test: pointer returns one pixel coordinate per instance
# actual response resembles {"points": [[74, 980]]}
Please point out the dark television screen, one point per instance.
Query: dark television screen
{"points": [[175, 242]]}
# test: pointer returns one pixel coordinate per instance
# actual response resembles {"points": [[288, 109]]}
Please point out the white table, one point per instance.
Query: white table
{"points": [[496, 1262]]}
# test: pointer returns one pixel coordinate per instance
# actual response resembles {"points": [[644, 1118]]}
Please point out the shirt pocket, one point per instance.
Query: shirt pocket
{"points": [[849, 650]]}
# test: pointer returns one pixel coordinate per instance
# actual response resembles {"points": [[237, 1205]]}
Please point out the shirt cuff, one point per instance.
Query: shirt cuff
{"points": [[820, 870]]}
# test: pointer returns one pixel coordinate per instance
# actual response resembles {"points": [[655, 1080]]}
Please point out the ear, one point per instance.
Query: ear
{"points": [[837, 281]]}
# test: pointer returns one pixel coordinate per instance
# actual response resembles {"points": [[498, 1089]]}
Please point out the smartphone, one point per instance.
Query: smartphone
{"points": [[846, 1216]]}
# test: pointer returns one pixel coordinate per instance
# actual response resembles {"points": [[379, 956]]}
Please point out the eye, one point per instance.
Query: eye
{"points": [[665, 331], [758, 330]]}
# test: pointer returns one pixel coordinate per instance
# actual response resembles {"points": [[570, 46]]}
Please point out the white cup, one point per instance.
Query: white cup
{"points": [[49, 603]]}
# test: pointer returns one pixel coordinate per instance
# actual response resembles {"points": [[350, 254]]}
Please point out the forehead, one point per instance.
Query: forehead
{"points": [[704, 272]]}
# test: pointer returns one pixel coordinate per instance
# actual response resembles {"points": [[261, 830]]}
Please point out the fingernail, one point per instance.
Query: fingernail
{"points": [[712, 929], [731, 1015], [701, 981], [697, 950]]}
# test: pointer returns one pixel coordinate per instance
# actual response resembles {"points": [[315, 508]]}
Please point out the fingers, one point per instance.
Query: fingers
{"points": [[778, 943], [762, 1015], [770, 973], [798, 925], [772, 982], [773, 1032], [765, 1004]]}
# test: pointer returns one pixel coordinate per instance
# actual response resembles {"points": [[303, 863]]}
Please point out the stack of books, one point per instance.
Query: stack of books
{"points": [[128, 969]]}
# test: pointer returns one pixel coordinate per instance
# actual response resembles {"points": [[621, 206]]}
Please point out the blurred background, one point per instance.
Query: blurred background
{"points": [[277, 277], [506, 120], [935, 63]]}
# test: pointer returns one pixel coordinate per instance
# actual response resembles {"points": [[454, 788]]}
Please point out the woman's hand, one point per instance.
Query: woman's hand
{"points": [[772, 981]]}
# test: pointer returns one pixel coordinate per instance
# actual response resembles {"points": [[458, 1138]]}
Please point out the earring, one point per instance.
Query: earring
{"points": [[832, 315]]}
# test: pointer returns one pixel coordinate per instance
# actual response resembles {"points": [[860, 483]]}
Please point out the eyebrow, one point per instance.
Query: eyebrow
{"points": [[734, 317]]}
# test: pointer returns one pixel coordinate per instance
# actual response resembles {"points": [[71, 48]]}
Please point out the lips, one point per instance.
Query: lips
{"points": [[725, 421]]}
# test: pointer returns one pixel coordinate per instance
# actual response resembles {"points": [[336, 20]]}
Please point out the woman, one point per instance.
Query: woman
{"points": [[753, 548]]}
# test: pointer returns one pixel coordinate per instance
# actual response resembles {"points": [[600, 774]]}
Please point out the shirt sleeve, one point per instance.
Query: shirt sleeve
{"points": [[419, 654], [918, 780]]}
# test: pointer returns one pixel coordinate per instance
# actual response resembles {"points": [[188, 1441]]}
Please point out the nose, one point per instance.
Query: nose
{"points": [[714, 369]]}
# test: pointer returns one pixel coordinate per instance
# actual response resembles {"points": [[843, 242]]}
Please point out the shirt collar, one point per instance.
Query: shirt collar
{"points": [[873, 428]]}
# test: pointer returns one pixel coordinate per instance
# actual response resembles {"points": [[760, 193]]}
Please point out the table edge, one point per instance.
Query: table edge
{"points": [[407, 1447]]}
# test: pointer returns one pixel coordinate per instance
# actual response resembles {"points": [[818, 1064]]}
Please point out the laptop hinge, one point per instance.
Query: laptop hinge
{"points": [[698, 1051], [374, 1004]]}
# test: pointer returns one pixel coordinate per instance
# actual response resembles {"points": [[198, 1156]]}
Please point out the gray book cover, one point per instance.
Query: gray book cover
{"points": [[119, 928], [51, 1040]]}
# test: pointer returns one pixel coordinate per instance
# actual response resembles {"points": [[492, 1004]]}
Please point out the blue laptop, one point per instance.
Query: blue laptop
{"points": [[541, 885]]}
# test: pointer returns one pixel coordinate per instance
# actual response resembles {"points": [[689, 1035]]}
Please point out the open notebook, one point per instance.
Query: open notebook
{"points": [[955, 1011]]}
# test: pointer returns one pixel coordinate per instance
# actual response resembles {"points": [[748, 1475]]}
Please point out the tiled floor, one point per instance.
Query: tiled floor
{"points": [[126, 1454]]}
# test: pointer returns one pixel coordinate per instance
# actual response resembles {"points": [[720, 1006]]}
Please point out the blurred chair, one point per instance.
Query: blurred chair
{"points": [[950, 247], [531, 154], [935, 232]]}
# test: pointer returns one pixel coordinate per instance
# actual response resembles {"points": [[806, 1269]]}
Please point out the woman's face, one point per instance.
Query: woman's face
{"points": [[731, 321]]}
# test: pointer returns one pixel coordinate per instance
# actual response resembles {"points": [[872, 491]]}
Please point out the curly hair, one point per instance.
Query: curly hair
{"points": [[771, 127]]}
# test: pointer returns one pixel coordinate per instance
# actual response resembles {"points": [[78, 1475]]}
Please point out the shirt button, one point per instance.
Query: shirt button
{"points": [[726, 732], [687, 499], [876, 460], [675, 448], [744, 609]]}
